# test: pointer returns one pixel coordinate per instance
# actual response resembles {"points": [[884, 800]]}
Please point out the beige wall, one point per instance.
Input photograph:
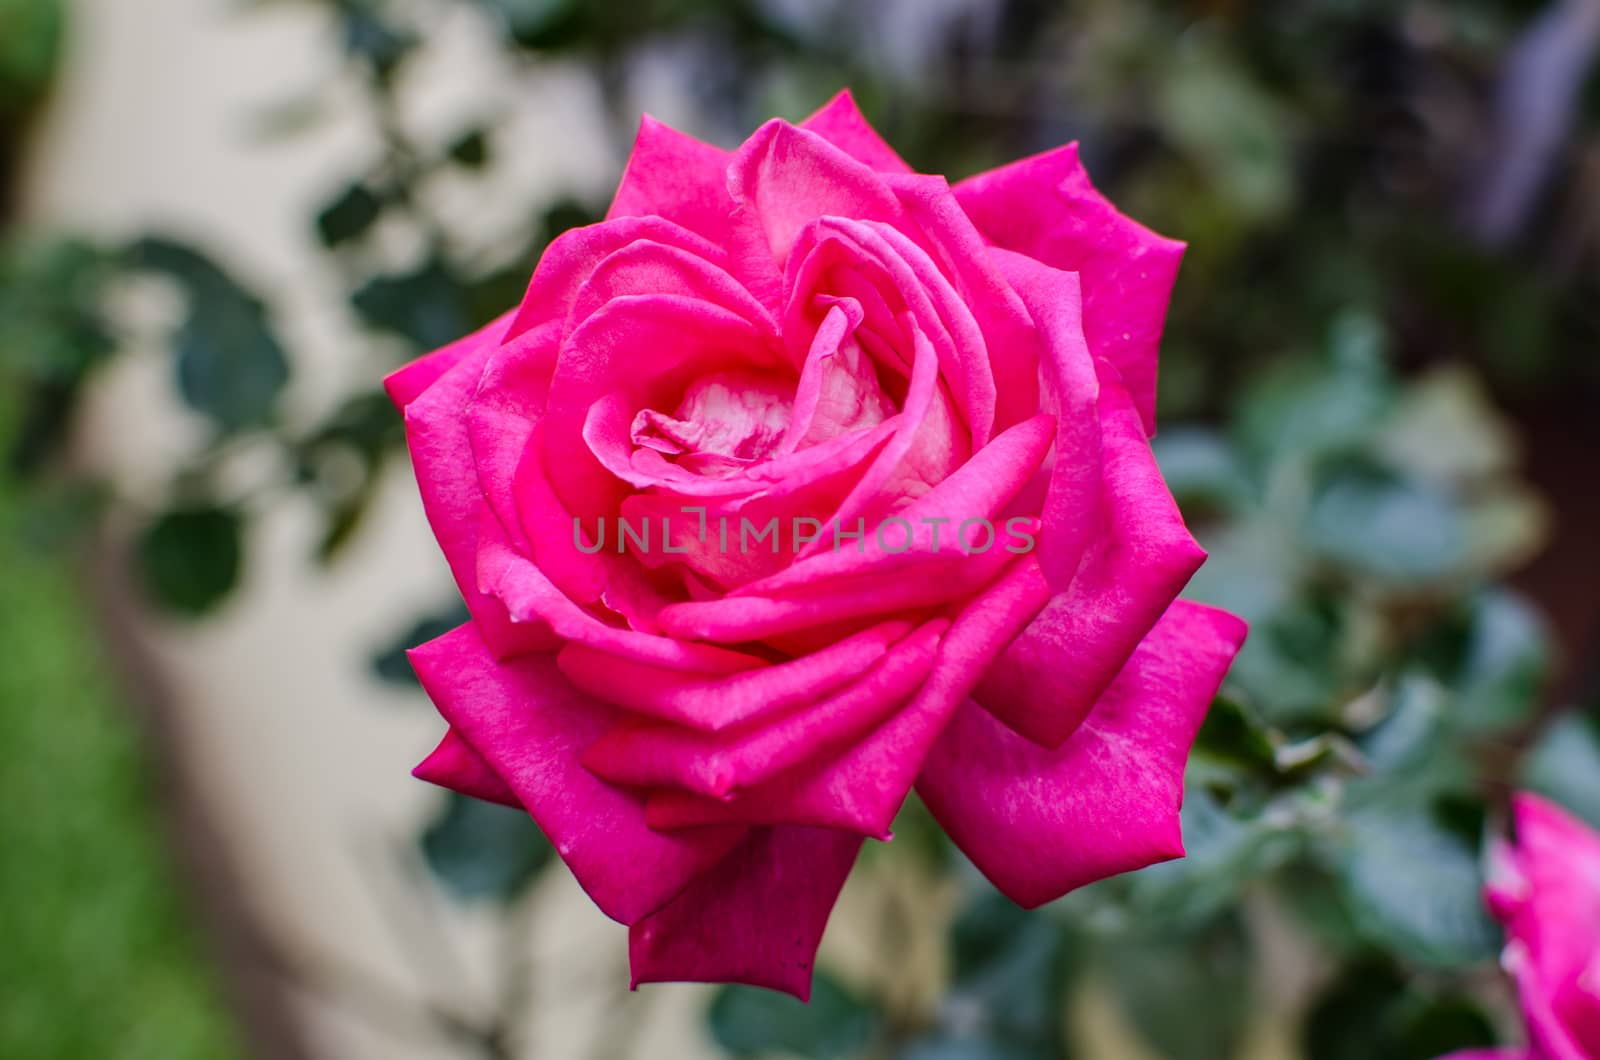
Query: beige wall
{"points": [[304, 759]]}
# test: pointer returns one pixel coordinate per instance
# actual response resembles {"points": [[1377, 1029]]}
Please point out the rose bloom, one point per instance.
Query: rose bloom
{"points": [[804, 327], [1546, 891]]}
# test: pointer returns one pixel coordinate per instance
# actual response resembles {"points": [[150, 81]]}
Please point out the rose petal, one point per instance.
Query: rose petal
{"points": [[1072, 393], [687, 338], [572, 257], [1138, 561], [1013, 350], [452, 497], [756, 918], [504, 413], [719, 764], [862, 789], [782, 180], [530, 597], [978, 490], [716, 703], [1045, 207], [672, 175], [1552, 918], [530, 725], [1040, 822], [821, 252], [405, 385], [455, 765], [841, 123]]}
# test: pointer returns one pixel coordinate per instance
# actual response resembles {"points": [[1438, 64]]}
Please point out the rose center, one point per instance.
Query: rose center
{"points": [[737, 416]]}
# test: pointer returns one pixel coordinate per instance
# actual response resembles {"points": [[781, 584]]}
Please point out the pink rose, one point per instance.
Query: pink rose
{"points": [[799, 479], [1546, 891]]}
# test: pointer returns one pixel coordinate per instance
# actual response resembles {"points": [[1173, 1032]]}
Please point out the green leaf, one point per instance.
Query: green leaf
{"points": [[481, 850], [1009, 969], [1310, 409], [1373, 521], [427, 305], [1408, 737], [379, 42], [1233, 735], [390, 663], [355, 210], [230, 365], [749, 1021], [1508, 655], [1223, 854], [1202, 470], [1565, 765], [1414, 885], [966, 1047], [189, 558], [1188, 995], [471, 149], [1372, 1010]]}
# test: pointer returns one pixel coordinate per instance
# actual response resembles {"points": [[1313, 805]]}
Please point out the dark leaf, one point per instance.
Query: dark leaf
{"points": [[1373, 1011], [1414, 885], [748, 1021], [1373, 521], [349, 216], [1224, 853], [957, 1047], [471, 149], [1565, 765], [381, 43], [427, 306], [1187, 994], [1010, 968], [189, 558], [230, 365], [1232, 734], [481, 850], [390, 664], [1202, 471], [1508, 655]]}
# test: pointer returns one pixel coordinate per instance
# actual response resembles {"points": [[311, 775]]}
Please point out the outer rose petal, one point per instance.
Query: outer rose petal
{"points": [[1072, 391], [1046, 208], [1139, 560], [1039, 822], [405, 385], [455, 765], [720, 764], [452, 496], [756, 918], [840, 122], [862, 789], [673, 175], [530, 725]]}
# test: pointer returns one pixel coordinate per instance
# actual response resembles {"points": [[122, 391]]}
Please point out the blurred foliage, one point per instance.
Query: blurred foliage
{"points": [[100, 956], [1352, 298]]}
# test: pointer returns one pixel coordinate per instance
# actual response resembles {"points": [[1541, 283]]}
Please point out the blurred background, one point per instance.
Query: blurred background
{"points": [[225, 220]]}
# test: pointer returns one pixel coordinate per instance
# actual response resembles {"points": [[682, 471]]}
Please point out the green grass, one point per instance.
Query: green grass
{"points": [[97, 958]]}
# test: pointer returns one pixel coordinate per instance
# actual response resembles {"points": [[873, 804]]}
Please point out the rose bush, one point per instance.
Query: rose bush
{"points": [[805, 333], [1546, 891]]}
